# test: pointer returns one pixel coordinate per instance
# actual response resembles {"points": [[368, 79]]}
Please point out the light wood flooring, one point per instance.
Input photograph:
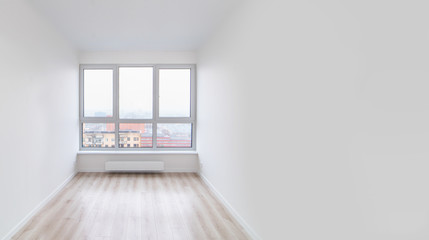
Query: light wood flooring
{"points": [[133, 206]]}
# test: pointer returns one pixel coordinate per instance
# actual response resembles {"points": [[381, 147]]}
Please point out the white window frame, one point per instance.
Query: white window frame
{"points": [[155, 104]]}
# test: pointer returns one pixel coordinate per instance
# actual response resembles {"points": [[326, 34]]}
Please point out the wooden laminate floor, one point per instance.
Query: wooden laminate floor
{"points": [[112, 206]]}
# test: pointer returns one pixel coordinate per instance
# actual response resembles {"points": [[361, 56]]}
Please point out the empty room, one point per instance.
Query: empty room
{"points": [[214, 119]]}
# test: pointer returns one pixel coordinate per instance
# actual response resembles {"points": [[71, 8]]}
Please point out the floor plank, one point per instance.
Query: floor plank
{"points": [[117, 206]]}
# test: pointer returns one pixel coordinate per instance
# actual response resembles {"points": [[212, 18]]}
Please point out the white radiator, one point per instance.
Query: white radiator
{"points": [[134, 166]]}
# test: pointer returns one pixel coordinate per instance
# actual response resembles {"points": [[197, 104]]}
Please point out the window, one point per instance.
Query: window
{"points": [[136, 131], [150, 107], [98, 92], [174, 93], [94, 135]]}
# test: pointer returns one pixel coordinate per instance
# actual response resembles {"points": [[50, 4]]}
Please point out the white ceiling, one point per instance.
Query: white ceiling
{"points": [[123, 25]]}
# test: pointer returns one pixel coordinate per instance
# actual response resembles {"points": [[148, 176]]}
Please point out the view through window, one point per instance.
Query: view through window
{"points": [[137, 107]]}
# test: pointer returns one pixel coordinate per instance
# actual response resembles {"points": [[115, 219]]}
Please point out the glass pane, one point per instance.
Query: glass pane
{"points": [[174, 135], [135, 135], [98, 135], [135, 92], [98, 92], [174, 92]]}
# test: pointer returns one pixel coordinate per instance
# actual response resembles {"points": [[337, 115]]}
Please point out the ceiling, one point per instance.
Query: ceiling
{"points": [[124, 25]]}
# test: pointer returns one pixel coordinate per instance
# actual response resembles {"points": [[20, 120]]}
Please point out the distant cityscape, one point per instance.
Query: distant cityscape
{"points": [[136, 135]]}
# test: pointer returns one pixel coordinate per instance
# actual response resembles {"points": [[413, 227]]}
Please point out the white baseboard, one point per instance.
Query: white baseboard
{"points": [[33, 212], [181, 170], [168, 170], [91, 170], [231, 210]]}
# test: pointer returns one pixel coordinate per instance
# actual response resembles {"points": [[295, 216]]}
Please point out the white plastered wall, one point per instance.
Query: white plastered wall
{"points": [[39, 112], [312, 118]]}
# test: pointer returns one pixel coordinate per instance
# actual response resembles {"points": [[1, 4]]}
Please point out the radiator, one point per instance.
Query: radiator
{"points": [[134, 166]]}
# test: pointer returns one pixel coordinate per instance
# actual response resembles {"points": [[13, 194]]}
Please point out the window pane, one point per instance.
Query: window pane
{"points": [[98, 135], [135, 135], [174, 92], [98, 92], [174, 135], [135, 92]]}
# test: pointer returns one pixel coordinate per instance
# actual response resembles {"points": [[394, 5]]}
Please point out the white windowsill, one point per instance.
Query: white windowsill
{"points": [[137, 152]]}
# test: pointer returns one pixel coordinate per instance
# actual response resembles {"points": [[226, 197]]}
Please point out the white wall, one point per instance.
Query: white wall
{"points": [[313, 118], [39, 111], [173, 162], [137, 57]]}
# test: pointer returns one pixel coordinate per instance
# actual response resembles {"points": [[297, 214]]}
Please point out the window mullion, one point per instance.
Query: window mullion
{"points": [[81, 68], [155, 106], [116, 104], [193, 94]]}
